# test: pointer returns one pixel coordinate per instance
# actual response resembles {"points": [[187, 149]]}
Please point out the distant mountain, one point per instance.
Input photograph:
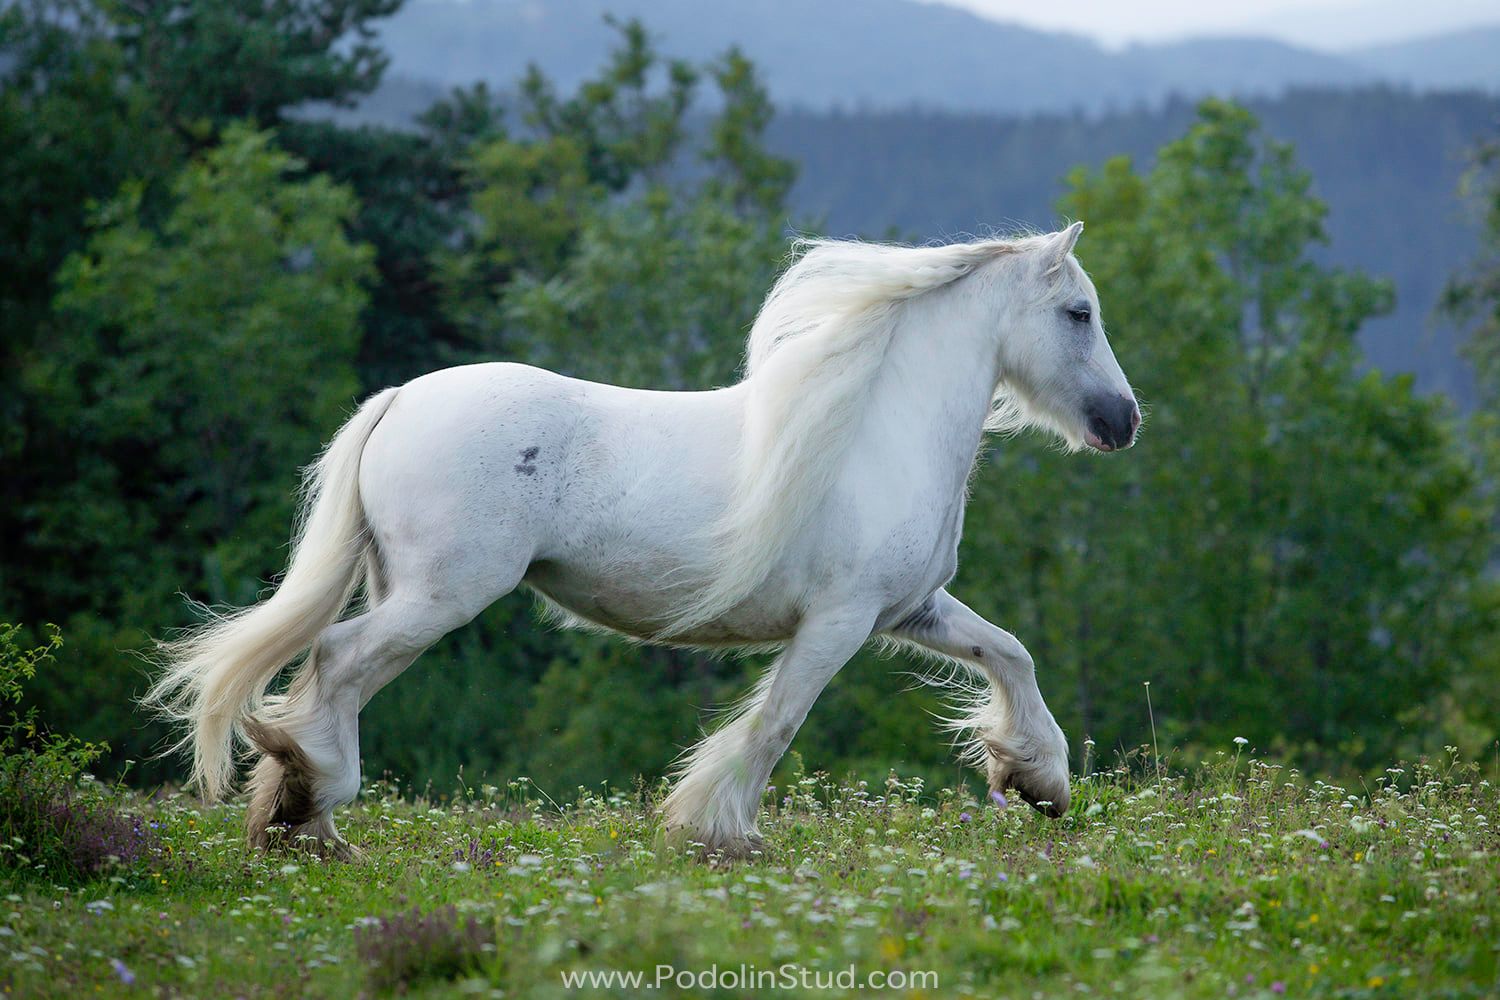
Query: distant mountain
{"points": [[1240, 66], [1456, 59], [887, 54]]}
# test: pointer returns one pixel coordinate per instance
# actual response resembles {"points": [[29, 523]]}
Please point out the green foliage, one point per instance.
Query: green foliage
{"points": [[210, 62], [411, 198], [74, 129], [624, 127], [252, 282], [1295, 547], [19, 735], [1474, 296], [675, 281], [747, 177], [193, 366], [583, 234], [55, 821], [675, 276]]}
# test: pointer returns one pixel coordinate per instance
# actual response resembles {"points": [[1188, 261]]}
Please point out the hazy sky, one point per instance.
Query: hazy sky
{"points": [[1324, 24]]}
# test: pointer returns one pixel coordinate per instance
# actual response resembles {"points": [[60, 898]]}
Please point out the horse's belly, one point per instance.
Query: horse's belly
{"points": [[634, 600]]}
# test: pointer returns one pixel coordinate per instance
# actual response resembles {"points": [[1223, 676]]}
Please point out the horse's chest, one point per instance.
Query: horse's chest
{"points": [[894, 545], [923, 552]]}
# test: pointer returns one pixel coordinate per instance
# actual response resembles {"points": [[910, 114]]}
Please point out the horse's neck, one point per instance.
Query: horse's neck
{"points": [[935, 387]]}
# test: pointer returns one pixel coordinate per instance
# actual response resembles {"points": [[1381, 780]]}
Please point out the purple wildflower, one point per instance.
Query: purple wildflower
{"points": [[964, 817], [90, 833], [409, 947], [475, 856], [1278, 987], [123, 971], [998, 797]]}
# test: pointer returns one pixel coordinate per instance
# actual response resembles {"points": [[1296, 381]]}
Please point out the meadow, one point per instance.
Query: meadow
{"points": [[1239, 877]]}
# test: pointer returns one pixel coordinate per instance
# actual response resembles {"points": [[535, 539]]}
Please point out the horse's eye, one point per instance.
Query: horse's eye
{"points": [[1080, 315]]}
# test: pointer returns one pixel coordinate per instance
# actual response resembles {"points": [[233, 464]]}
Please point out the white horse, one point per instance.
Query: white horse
{"points": [[813, 506]]}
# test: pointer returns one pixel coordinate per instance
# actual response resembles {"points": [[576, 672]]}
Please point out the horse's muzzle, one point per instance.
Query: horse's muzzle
{"points": [[1110, 423]]}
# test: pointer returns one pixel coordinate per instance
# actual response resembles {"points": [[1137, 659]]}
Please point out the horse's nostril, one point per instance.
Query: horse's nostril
{"points": [[1112, 421]]}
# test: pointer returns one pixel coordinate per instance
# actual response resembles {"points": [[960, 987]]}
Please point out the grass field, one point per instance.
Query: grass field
{"points": [[1236, 879]]}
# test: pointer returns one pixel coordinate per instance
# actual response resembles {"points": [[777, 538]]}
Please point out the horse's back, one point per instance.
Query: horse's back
{"points": [[512, 465]]}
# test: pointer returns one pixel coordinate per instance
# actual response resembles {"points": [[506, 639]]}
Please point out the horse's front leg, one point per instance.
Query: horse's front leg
{"points": [[1013, 733], [720, 782]]}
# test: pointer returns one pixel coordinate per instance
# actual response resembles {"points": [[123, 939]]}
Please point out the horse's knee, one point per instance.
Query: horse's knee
{"points": [[1009, 655]]}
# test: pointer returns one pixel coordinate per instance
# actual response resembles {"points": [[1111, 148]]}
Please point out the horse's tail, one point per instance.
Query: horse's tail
{"points": [[216, 675]]}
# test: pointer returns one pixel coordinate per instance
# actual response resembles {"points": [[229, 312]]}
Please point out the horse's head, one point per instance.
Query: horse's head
{"points": [[1057, 368]]}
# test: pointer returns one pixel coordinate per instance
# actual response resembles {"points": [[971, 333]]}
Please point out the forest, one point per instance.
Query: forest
{"points": [[199, 281]]}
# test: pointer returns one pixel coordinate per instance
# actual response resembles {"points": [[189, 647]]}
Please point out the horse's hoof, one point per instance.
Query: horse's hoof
{"points": [[1040, 779], [745, 848], [1046, 807], [279, 838], [720, 850], [341, 850]]}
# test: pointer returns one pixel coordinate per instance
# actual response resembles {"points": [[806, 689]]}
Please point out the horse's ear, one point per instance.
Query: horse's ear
{"points": [[1063, 242]]}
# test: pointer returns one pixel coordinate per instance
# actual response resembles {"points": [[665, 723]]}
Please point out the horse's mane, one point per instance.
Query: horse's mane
{"points": [[815, 349]]}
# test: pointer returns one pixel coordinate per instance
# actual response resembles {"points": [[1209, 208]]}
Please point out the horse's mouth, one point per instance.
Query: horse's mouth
{"points": [[1095, 442]]}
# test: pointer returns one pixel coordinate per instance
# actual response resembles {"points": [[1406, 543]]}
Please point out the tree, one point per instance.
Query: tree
{"points": [[210, 62], [1294, 551], [529, 193], [1474, 296], [193, 367], [74, 129], [673, 276]]}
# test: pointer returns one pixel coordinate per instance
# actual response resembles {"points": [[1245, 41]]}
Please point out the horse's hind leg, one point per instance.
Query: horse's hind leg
{"points": [[309, 738], [1014, 735]]}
